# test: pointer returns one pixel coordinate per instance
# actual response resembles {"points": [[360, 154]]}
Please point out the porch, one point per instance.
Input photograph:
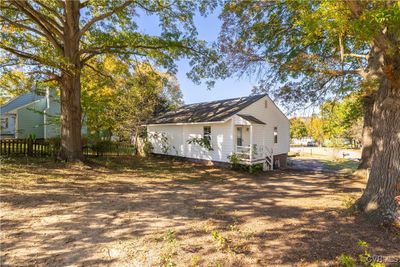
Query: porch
{"points": [[250, 142]]}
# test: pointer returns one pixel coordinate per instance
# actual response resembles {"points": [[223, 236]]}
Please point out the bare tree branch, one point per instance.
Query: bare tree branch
{"points": [[20, 53], [48, 73], [19, 25], [103, 16], [26, 55], [93, 51], [47, 21], [356, 55], [101, 73], [84, 4], [51, 10], [41, 23]]}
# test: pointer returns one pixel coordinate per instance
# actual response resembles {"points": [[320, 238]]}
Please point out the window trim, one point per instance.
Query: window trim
{"points": [[5, 123], [241, 137], [205, 134]]}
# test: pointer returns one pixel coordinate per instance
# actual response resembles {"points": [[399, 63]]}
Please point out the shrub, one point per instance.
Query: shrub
{"points": [[347, 260], [203, 142], [221, 241], [364, 259], [147, 148], [256, 168], [101, 146], [235, 160]]}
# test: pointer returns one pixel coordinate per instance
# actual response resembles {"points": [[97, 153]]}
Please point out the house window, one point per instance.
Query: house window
{"points": [[266, 103], [207, 132], [4, 123], [275, 135], [239, 136]]}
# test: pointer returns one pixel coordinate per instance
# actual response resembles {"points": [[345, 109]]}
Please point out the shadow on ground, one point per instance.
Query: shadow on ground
{"points": [[118, 212]]}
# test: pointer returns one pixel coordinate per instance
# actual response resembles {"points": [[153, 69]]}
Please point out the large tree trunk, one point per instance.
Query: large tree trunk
{"points": [[366, 153], [71, 141], [384, 180]]}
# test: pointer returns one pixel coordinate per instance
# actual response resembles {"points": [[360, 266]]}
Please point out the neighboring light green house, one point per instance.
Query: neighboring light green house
{"points": [[31, 114]]}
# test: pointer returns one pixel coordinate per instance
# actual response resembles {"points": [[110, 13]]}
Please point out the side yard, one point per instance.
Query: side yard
{"points": [[307, 162], [135, 212]]}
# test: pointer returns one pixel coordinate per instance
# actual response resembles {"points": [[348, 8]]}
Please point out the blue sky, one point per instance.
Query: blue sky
{"points": [[208, 29]]}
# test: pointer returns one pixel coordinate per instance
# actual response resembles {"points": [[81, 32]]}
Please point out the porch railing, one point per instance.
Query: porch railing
{"points": [[243, 149], [249, 156]]}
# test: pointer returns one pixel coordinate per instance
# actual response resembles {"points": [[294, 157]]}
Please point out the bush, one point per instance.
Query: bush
{"points": [[235, 160], [256, 168], [55, 145], [101, 146], [202, 142], [147, 148]]}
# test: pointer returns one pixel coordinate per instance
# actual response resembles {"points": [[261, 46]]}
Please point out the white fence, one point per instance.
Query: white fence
{"points": [[328, 151]]}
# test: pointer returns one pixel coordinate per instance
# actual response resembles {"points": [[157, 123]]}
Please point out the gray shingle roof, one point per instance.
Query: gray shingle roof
{"points": [[19, 101], [250, 118], [206, 112]]}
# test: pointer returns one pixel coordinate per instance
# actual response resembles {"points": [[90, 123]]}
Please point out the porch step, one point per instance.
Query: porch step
{"points": [[268, 165]]}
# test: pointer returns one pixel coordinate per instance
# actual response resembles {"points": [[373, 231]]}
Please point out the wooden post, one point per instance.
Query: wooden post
{"points": [[29, 145], [233, 136], [251, 143]]}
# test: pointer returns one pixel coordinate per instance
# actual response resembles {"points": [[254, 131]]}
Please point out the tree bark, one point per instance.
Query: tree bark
{"points": [[383, 184], [71, 140], [366, 152]]}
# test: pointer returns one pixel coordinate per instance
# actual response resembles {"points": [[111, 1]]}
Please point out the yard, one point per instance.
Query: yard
{"points": [[135, 212]]}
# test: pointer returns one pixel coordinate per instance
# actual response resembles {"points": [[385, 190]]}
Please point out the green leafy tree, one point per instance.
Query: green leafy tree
{"points": [[298, 128], [13, 83], [56, 39], [146, 93], [340, 117], [307, 51], [315, 130], [118, 97]]}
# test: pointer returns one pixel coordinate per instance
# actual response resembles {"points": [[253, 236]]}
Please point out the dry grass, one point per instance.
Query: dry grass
{"points": [[135, 212]]}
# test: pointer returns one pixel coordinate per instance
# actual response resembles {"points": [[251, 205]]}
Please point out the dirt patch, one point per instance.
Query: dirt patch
{"points": [[136, 212]]}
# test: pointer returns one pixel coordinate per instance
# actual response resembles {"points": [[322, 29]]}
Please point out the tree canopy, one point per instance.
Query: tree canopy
{"points": [[307, 52], [14, 83], [342, 118], [298, 128], [33, 33], [118, 97], [57, 39]]}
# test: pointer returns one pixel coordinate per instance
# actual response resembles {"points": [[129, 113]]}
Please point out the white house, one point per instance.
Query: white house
{"points": [[252, 127]]}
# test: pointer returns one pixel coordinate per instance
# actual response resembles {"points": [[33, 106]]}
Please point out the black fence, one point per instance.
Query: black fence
{"points": [[50, 148]]}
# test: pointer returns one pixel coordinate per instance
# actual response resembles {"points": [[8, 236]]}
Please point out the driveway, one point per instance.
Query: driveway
{"points": [[307, 164], [317, 163]]}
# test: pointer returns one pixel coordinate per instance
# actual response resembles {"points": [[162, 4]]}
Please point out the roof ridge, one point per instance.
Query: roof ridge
{"points": [[206, 111], [221, 100], [17, 97], [19, 101], [13, 100]]}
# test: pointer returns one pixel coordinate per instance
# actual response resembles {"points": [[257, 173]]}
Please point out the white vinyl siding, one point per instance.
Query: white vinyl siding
{"points": [[273, 117], [178, 135], [223, 135]]}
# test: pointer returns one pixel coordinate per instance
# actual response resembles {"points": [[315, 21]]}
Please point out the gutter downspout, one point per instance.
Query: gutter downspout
{"points": [[45, 113]]}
